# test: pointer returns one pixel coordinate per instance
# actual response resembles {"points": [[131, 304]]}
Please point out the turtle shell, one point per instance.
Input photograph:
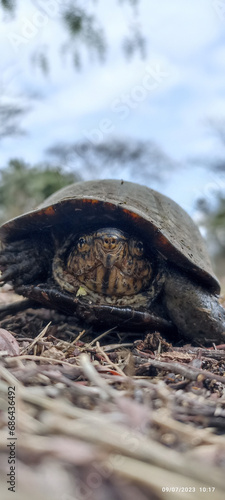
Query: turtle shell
{"points": [[139, 209]]}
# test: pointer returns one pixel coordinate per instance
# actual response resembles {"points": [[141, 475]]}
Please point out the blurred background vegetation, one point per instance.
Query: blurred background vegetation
{"points": [[28, 186], [23, 186]]}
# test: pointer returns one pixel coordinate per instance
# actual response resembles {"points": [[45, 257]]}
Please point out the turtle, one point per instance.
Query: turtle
{"points": [[115, 253]]}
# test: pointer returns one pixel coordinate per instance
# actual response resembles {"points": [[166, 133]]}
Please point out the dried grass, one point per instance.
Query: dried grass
{"points": [[100, 415]]}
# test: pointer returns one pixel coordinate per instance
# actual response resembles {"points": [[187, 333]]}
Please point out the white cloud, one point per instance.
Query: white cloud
{"points": [[181, 27]]}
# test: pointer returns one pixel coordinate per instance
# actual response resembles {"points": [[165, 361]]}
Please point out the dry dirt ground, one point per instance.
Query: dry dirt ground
{"points": [[96, 415]]}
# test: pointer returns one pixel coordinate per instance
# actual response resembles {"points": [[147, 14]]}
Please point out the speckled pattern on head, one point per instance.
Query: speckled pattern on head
{"points": [[163, 221]]}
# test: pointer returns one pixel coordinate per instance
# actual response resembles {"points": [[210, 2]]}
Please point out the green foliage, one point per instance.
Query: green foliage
{"points": [[213, 220], [24, 186], [212, 207], [85, 31], [8, 5], [216, 225], [218, 219], [10, 118]]}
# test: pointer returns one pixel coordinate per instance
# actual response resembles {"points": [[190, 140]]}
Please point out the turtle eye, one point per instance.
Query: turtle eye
{"points": [[82, 243], [138, 248]]}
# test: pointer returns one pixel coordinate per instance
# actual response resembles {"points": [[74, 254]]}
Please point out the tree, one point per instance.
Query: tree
{"points": [[8, 5], [144, 160], [83, 28], [10, 117], [24, 186], [84, 31], [213, 219], [212, 208]]}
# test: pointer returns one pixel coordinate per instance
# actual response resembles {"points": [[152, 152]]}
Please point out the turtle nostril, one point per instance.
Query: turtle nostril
{"points": [[109, 242], [106, 243]]}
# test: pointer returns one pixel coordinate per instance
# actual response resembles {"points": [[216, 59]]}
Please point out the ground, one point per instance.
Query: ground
{"points": [[104, 415]]}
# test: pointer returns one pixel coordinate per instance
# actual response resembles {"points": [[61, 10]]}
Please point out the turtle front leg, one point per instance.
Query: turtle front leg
{"points": [[22, 262], [196, 312]]}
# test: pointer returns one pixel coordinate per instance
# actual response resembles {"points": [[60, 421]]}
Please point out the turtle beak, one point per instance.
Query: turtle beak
{"points": [[108, 260], [110, 250]]}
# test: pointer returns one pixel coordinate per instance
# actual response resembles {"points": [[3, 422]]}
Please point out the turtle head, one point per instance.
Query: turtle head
{"points": [[110, 262]]}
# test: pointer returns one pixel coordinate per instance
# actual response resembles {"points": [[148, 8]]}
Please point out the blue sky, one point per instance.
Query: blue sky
{"points": [[172, 106]]}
